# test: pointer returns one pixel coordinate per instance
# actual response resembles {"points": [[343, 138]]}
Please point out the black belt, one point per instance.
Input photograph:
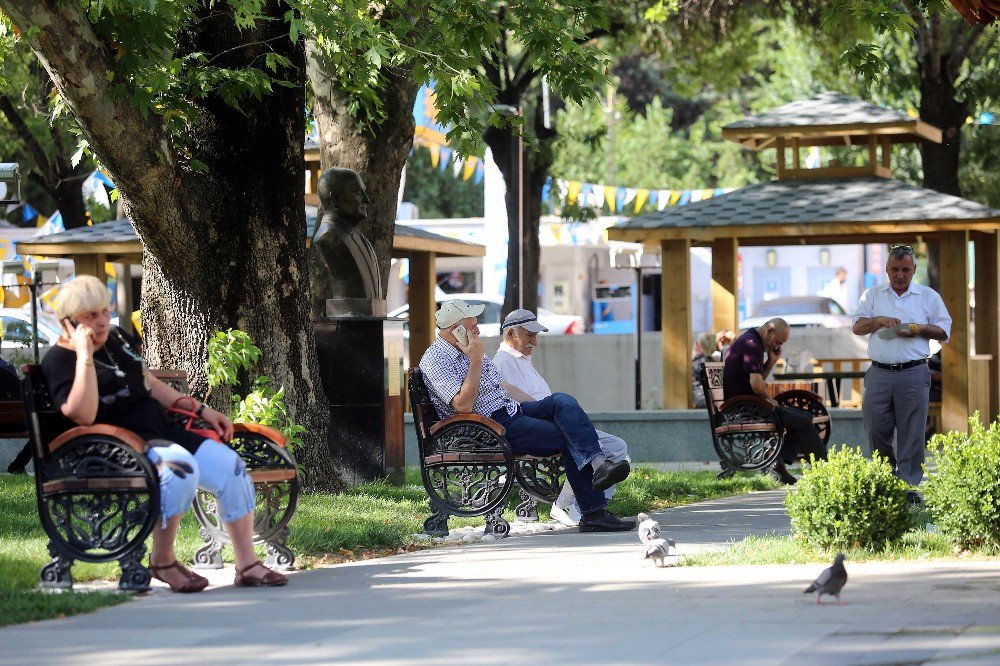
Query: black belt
{"points": [[900, 366]]}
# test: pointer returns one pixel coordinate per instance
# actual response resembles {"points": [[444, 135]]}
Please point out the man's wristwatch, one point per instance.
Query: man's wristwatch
{"points": [[201, 410]]}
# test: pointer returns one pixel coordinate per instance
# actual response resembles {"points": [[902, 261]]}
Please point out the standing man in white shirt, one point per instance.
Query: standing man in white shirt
{"points": [[900, 318], [523, 383], [837, 288]]}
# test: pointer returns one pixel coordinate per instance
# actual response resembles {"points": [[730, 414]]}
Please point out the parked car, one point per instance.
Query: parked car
{"points": [[800, 311], [17, 333], [489, 321]]}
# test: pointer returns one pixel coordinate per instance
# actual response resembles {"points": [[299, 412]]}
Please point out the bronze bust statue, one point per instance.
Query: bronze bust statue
{"points": [[344, 276]]}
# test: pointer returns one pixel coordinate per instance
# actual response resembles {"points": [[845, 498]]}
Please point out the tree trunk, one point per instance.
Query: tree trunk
{"points": [[377, 153], [68, 195], [537, 162], [222, 249]]}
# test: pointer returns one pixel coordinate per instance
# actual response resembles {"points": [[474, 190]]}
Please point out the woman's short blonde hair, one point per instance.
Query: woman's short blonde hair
{"points": [[83, 293]]}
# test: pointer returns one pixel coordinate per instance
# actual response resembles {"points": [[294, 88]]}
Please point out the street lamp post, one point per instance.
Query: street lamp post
{"points": [[623, 256], [16, 268]]}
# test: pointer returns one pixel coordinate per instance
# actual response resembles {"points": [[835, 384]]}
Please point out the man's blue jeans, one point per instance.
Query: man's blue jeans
{"points": [[557, 424]]}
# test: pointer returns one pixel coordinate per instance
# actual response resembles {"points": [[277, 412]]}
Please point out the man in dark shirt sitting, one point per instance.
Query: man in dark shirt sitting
{"points": [[744, 374]]}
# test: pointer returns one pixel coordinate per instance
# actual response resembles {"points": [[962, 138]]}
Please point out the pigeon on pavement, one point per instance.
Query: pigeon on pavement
{"points": [[658, 550], [831, 581], [649, 529]]}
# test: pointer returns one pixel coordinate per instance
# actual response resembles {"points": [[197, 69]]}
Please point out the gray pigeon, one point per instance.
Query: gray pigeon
{"points": [[658, 550], [649, 529], [831, 581]]}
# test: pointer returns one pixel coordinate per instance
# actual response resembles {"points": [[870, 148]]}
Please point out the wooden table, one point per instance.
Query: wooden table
{"points": [[833, 380]]}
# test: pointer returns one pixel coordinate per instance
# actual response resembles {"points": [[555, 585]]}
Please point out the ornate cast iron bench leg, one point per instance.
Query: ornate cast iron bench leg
{"points": [[436, 524], [496, 524], [135, 576], [58, 573], [527, 510]]}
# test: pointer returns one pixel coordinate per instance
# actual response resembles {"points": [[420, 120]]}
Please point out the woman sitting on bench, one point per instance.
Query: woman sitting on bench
{"points": [[94, 376]]}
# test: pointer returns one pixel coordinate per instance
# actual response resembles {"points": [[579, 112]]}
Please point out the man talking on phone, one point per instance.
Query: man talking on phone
{"points": [[461, 380], [744, 374]]}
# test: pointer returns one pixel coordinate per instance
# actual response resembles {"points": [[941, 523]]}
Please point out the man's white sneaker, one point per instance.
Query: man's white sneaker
{"points": [[566, 516]]}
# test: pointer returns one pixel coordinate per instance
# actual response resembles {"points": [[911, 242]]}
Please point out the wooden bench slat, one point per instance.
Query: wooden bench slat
{"points": [[103, 483], [272, 475], [451, 458], [745, 427]]}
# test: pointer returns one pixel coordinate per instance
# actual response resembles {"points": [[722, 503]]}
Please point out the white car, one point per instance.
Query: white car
{"points": [[17, 334], [800, 311], [489, 321]]}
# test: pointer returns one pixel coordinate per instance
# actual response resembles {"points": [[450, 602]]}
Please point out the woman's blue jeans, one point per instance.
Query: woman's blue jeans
{"points": [[557, 424]]}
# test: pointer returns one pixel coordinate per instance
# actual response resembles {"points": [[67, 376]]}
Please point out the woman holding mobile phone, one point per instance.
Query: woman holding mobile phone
{"points": [[94, 376]]}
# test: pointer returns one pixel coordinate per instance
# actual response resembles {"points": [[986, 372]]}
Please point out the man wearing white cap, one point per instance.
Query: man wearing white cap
{"points": [[463, 380], [524, 383]]}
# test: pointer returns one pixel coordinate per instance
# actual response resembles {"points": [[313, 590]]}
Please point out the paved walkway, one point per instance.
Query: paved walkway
{"points": [[554, 598]]}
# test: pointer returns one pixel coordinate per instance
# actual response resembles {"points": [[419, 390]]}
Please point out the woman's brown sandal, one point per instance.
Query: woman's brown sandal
{"points": [[193, 582], [270, 579]]}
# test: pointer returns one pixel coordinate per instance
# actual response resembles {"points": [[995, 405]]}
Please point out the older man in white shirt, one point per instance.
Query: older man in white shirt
{"points": [[523, 383], [900, 318]]}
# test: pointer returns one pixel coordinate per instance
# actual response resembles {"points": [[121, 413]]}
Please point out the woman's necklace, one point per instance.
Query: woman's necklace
{"points": [[113, 367]]}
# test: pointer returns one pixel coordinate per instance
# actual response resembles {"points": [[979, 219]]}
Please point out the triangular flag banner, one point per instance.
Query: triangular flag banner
{"points": [[469, 168], [456, 167], [597, 196], [675, 196], [435, 154], [586, 194], [546, 189], [574, 191], [695, 195], [445, 158], [629, 196], [654, 197], [28, 213], [707, 194], [640, 198], [685, 198], [619, 198], [41, 221], [662, 199], [609, 198], [480, 171], [104, 180]]}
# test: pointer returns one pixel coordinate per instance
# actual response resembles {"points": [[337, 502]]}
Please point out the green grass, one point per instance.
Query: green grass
{"points": [[367, 520], [917, 544]]}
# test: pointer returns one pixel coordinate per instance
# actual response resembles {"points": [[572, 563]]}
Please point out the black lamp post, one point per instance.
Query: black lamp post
{"points": [[10, 183], [16, 268]]}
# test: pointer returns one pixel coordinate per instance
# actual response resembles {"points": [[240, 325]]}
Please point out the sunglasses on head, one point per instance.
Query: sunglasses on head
{"points": [[904, 248]]}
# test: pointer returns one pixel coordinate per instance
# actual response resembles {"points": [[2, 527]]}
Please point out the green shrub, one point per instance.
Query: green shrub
{"points": [[849, 501], [964, 491]]}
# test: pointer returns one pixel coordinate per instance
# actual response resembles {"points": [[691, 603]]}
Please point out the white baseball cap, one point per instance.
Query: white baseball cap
{"points": [[452, 312]]}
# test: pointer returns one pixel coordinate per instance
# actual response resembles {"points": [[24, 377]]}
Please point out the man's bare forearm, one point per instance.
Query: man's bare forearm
{"points": [[466, 398]]}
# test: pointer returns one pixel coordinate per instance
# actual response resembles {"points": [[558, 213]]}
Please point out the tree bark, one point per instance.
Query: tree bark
{"points": [[222, 249], [377, 152], [537, 163]]}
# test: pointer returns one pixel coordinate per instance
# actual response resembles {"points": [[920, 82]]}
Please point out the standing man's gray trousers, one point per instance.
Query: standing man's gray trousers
{"points": [[897, 401]]}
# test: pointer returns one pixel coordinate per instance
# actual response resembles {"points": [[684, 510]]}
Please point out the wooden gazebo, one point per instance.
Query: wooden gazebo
{"points": [[116, 242], [829, 205]]}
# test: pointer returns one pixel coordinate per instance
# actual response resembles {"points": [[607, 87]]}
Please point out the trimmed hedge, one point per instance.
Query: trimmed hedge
{"points": [[849, 501], [963, 494]]}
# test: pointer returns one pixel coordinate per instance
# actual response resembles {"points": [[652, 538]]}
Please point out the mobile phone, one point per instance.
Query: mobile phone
{"points": [[64, 320], [461, 334]]}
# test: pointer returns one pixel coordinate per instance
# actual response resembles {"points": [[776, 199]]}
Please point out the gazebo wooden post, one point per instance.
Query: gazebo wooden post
{"points": [[987, 248], [91, 264], [955, 353], [423, 280], [725, 272], [676, 322]]}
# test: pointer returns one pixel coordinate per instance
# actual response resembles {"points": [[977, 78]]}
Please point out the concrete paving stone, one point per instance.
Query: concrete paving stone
{"points": [[557, 597]]}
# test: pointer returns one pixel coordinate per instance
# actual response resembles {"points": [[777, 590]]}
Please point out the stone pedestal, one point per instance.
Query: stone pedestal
{"points": [[361, 364]]}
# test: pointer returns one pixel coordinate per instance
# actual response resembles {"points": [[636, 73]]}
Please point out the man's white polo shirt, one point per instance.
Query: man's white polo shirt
{"points": [[518, 371]]}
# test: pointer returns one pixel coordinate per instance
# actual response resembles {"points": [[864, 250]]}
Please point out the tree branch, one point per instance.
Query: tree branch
{"points": [[923, 38], [934, 50], [30, 140], [960, 53], [79, 64]]}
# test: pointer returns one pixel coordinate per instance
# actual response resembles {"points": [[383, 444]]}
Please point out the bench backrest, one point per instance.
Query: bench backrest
{"points": [[711, 382], [13, 424], [424, 413], [44, 421]]}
